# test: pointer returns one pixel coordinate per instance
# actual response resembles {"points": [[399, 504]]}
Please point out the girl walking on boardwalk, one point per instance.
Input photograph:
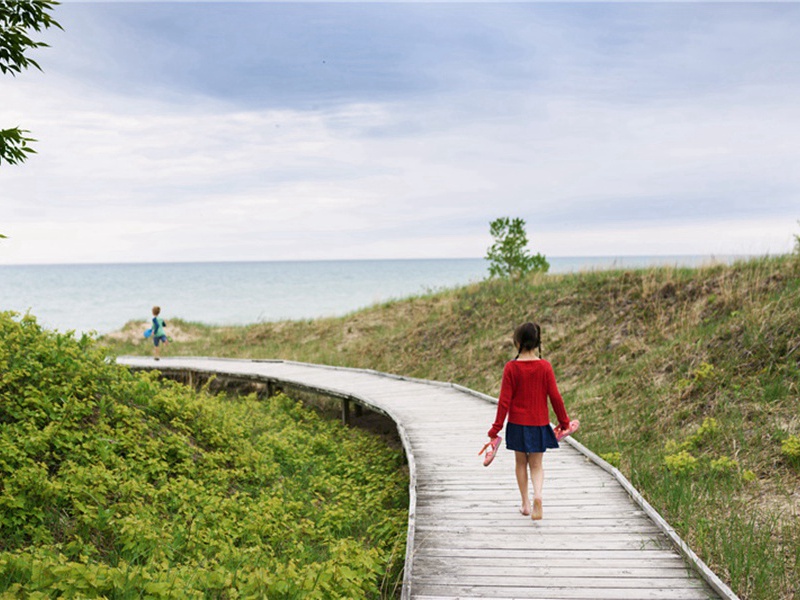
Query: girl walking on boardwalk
{"points": [[528, 381]]}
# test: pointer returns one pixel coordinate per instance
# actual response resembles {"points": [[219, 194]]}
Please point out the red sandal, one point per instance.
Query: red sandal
{"points": [[562, 433], [491, 450]]}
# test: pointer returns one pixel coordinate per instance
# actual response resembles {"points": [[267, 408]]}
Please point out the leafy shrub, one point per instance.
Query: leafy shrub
{"points": [[724, 464], [707, 430], [790, 448], [681, 463], [114, 484], [612, 458], [749, 476], [702, 377], [705, 433]]}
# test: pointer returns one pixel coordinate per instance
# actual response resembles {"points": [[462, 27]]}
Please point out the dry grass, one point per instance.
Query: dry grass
{"points": [[133, 333]]}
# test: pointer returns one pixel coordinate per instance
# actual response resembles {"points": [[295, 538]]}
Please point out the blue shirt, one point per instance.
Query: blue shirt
{"points": [[158, 327]]}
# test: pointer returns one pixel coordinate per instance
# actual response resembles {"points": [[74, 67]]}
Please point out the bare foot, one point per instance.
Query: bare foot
{"points": [[536, 513], [525, 509]]}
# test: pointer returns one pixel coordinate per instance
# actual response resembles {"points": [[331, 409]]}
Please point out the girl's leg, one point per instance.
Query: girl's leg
{"points": [[521, 470], [537, 476], [537, 472]]}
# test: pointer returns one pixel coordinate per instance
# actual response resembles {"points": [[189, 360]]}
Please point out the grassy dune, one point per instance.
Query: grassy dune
{"points": [[687, 379]]}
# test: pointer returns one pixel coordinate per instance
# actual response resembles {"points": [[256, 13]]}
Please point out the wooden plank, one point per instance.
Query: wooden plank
{"points": [[435, 567], [577, 580], [619, 554], [458, 477], [429, 592], [522, 527], [440, 504], [462, 490], [495, 506], [573, 543], [517, 520]]}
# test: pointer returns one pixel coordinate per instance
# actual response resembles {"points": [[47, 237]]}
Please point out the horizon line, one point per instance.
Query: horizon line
{"points": [[711, 256]]}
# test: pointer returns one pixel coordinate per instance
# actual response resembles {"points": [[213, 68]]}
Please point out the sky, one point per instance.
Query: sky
{"points": [[200, 131]]}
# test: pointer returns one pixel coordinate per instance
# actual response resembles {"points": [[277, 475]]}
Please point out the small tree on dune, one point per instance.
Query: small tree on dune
{"points": [[508, 256]]}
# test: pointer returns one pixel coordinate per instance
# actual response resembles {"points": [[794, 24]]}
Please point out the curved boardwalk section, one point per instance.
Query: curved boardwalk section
{"points": [[599, 540]]}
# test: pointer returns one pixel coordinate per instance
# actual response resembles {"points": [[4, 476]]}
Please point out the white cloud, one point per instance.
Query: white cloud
{"points": [[720, 237]]}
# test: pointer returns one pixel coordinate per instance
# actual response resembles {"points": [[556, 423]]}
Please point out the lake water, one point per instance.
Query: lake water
{"points": [[102, 298]]}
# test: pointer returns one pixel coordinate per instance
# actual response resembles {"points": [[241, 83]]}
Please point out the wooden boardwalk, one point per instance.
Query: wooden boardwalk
{"points": [[599, 540]]}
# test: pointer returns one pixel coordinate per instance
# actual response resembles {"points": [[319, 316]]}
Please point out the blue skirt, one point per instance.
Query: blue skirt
{"points": [[530, 438]]}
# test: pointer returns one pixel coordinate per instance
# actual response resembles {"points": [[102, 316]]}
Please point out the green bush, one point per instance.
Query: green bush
{"points": [[114, 484], [680, 463], [612, 458], [790, 448], [724, 464], [707, 431]]}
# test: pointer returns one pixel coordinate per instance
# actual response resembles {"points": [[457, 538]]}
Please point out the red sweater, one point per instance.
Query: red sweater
{"points": [[523, 395]]}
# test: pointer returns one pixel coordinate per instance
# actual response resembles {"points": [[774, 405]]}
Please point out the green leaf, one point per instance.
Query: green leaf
{"points": [[14, 145]]}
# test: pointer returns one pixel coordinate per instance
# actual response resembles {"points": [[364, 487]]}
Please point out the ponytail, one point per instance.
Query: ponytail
{"points": [[539, 335]]}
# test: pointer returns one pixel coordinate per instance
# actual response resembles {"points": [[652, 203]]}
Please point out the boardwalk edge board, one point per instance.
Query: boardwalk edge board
{"points": [[685, 551]]}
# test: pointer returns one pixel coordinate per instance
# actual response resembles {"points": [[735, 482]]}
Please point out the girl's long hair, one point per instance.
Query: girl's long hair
{"points": [[527, 337]]}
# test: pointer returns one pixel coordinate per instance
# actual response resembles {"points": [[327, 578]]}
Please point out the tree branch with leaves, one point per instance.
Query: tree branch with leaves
{"points": [[19, 19], [14, 147]]}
